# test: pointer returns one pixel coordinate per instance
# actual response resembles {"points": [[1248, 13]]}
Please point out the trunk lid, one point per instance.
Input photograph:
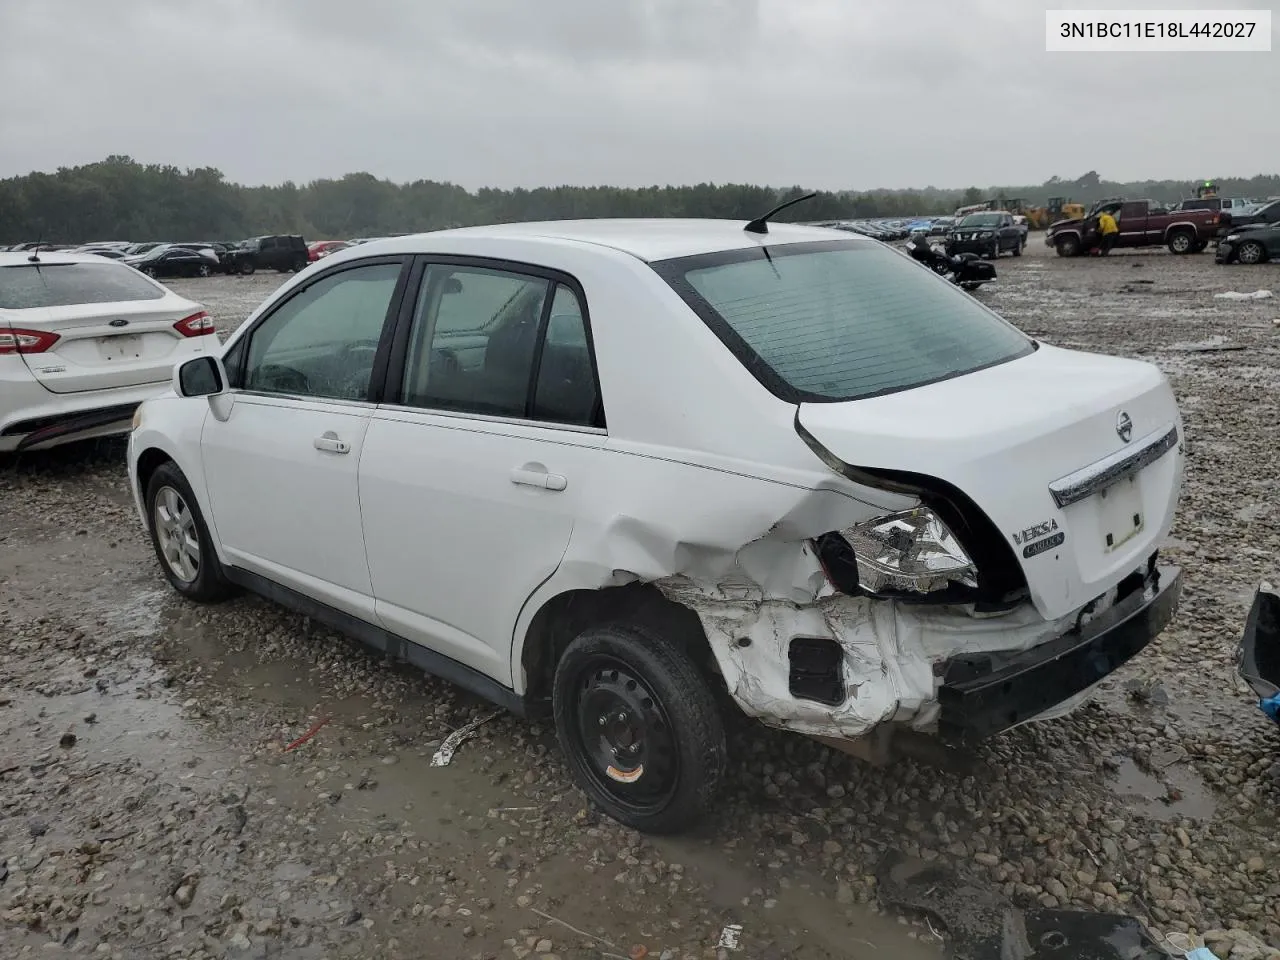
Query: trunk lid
{"points": [[1004, 435], [106, 345]]}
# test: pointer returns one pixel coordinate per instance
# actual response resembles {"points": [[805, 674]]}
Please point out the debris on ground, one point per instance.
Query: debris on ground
{"points": [[311, 732], [730, 937], [1234, 295], [444, 756], [982, 924]]}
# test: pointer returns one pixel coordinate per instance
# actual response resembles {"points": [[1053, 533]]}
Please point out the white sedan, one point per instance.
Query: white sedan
{"points": [[610, 468], [83, 341]]}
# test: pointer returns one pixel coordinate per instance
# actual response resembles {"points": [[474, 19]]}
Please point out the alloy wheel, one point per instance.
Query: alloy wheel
{"points": [[1250, 252], [176, 531]]}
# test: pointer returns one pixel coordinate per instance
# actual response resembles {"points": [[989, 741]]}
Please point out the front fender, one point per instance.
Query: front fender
{"points": [[172, 426]]}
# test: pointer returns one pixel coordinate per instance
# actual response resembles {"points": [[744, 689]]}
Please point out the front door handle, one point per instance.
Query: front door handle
{"points": [[329, 442], [535, 475]]}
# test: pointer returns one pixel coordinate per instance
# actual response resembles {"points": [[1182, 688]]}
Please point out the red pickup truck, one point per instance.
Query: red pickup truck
{"points": [[1142, 223]]}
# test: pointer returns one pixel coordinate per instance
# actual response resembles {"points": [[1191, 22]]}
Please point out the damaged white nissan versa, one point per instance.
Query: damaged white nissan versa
{"points": [[608, 467]]}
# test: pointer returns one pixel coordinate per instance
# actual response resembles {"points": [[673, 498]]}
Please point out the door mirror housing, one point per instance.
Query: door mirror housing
{"points": [[200, 377]]}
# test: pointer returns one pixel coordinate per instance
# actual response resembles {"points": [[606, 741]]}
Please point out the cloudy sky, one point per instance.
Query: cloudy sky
{"points": [[837, 94]]}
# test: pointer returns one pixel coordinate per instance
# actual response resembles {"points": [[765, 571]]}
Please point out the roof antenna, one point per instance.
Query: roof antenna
{"points": [[35, 251], [761, 224]]}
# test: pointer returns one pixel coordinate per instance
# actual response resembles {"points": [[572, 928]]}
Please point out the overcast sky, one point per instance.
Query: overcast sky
{"points": [[835, 94]]}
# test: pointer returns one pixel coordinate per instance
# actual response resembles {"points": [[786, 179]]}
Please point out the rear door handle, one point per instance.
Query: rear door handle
{"points": [[329, 442], [535, 475]]}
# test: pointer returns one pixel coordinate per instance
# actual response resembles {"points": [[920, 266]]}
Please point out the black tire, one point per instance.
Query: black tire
{"points": [[247, 267], [150, 272], [203, 580], [1200, 246], [1251, 252], [1068, 246], [1182, 242], [659, 712], [970, 286], [202, 270], [299, 266], [1017, 248]]}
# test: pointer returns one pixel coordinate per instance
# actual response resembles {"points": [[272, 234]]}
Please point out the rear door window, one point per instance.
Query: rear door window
{"points": [[840, 320], [27, 286]]}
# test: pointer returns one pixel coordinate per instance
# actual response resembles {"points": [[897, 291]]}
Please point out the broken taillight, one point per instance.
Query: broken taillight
{"points": [[196, 325], [13, 340]]}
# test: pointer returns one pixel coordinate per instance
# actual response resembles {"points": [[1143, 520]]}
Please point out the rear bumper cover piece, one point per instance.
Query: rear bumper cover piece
{"points": [[1032, 682]]}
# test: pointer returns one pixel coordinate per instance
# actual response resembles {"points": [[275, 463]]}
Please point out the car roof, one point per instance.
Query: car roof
{"points": [[649, 240]]}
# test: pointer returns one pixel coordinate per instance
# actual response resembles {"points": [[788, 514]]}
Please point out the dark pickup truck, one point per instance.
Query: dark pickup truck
{"points": [[283, 253], [1142, 223]]}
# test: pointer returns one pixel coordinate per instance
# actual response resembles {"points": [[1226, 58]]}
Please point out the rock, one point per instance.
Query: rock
{"points": [[184, 895], [67, 741], [543, 946], [37, 827], [987, 859], [1255, 865], [844, 893]]}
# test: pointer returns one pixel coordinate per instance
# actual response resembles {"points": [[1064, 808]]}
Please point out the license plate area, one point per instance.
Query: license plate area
{"points": [[120, 347], [1120, 516]]}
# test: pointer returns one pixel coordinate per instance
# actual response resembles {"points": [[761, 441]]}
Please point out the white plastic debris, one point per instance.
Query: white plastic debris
{"points": [[1236, 295], [730, 937], [444, 756]]}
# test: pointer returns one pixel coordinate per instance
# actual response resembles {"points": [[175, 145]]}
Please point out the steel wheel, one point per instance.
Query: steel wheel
{"points": [[623, 732], [1250, 252], [177, 535]]}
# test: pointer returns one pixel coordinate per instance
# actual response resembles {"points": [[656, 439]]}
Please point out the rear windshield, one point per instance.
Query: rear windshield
{"points": [[25, 286], [840, 319]]}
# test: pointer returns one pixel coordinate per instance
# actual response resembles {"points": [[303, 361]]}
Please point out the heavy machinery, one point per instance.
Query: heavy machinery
{"points": [[1207, 189], [1058, 208]]}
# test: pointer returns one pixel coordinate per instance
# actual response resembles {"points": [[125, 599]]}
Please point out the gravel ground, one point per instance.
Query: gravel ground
{"points": [[149, 808]]}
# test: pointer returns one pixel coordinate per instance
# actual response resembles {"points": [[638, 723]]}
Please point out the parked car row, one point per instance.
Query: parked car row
{"points": [[283, 252]]}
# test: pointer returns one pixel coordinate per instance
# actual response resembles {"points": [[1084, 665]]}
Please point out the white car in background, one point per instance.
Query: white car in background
{"points": [[83, 341], [607, 468]]}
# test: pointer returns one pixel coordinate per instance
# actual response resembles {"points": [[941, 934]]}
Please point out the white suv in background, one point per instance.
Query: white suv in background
{"points": [[83, 341], [607, 467]]}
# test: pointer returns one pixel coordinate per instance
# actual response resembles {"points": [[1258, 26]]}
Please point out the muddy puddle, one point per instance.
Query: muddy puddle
{"points": [[1175, 793]]}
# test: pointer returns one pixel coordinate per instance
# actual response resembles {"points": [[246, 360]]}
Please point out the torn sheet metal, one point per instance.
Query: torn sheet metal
{"points": [[982, 924], [444, 756], [889, 651]]}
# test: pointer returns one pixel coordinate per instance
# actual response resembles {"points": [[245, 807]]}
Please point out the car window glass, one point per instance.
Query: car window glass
{"points": [[841, 320], [566, 388], [321, 342], [473, 341], [28, 285]]}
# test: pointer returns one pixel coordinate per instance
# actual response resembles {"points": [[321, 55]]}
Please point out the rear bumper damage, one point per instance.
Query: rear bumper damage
{"points": [[843, 666], [1258, 657], [980, 698]]}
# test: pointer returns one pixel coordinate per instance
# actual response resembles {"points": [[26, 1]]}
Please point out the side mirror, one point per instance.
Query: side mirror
{"points": [[200, 377]]}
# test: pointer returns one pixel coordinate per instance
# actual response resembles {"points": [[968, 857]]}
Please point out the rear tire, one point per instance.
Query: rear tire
{"points": [[639, 726], [1017, 250], [181, 538], [1181, 242], [1068, 246]]}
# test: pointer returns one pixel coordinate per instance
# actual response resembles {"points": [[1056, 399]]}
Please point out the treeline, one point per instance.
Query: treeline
{"points": [[119, 198]]}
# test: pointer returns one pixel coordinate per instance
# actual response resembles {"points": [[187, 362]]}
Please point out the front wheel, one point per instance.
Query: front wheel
{"points": [[639, 726], [1067, 246], [203, 271], [1251, 252], [181, 538], [247, 267]]}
